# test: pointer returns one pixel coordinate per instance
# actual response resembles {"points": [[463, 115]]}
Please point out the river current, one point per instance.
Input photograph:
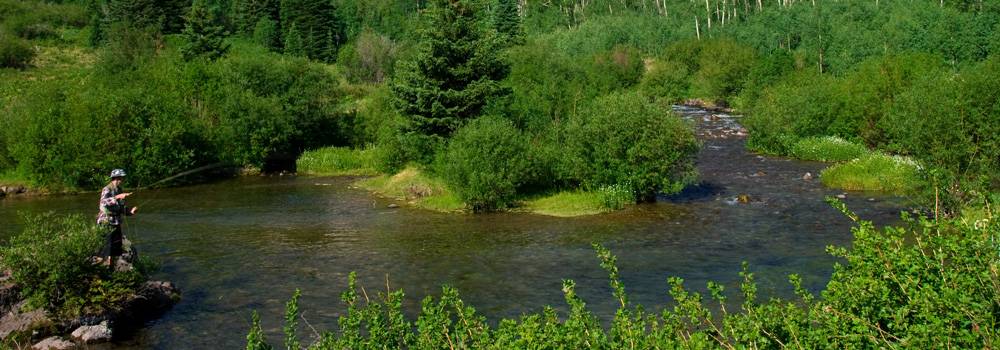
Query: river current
{"points": [[247, 243]]}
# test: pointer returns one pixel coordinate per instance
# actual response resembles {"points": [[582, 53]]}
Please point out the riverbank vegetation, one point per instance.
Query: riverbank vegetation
{"points": [[926, 283], [52, 261]]}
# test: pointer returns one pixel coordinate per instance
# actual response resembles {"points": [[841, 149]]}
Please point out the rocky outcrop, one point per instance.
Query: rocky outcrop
{"points": [[21, 320], [7, 190], [54, 343], [93, 334]]}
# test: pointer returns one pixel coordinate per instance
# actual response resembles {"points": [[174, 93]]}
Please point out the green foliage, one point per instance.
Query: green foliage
{"points": [[718, 67], [313, 27], [369, 58], [15, 53], [615, 197], [507, 21], [255, 339], [666, 81], [204, 35], [827, 149], [874, 172], [292, 321], [624, 139], [921, 285], [247, 15], [51, 261], [266, 34], [485, 163], [128, 47], [456, 72]]}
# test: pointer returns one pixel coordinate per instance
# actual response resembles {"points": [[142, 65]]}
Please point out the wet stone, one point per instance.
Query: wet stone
{"points": [[93, 334]]}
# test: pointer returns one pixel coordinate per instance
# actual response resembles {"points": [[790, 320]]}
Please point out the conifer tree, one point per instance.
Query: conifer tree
{"points": [[205, 36], [294, 42], [456, 72], [507, 22], [266, 34], [316, 22], [247, 13]]}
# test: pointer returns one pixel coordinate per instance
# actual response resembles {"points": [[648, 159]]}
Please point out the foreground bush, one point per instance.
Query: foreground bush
{"points": [[624, 139], [51, 261], [15, 53], [919, 286], [486, 162]]}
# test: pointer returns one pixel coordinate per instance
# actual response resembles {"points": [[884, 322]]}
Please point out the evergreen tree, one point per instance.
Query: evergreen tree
{"points": [[246, 14], [161, 15], [456, 72], [205, 36], [294, 42], [507, 22], [266, 34], [316, 22], [97, 18]]}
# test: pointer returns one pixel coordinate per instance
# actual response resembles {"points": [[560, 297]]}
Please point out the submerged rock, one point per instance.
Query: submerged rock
{"points": [[93, 334], [808, 176], [54, 343]]}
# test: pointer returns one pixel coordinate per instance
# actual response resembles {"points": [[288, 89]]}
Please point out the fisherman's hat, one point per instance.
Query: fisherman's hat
{"points": [[117, 173]]}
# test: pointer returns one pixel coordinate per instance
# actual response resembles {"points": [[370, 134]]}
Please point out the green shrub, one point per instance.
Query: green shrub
{"points": [[51, 261], [338, 161], [369, 58], [827, 149], [485, 163], [803, 105], [623, 138], [15, 53], [666, 80], [718, 67], [874, 172], [619, 68]]}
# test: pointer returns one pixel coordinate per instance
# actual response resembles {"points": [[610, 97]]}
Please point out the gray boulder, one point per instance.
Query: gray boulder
{"points": [[54, 343], [93, 334], [18, 320]]}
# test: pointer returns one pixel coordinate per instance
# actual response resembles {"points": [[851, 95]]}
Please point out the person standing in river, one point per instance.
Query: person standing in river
{"points": [[111, 208]]}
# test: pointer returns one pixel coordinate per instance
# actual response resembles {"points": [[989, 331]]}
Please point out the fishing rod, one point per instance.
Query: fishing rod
{"points": [[181, 174]]}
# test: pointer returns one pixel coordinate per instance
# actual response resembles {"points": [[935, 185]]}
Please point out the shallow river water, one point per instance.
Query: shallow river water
{"points": [[246, 244]]}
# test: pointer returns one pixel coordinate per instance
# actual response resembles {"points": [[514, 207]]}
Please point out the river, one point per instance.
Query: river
{"points": [[247, 243]]}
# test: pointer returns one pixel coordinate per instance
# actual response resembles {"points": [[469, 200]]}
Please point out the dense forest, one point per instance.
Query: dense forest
{"points": [[502, 100]]}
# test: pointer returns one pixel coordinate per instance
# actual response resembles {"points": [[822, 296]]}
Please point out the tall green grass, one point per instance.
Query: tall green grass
{"points": [[338, 161], [874, 172], [827, 149]]}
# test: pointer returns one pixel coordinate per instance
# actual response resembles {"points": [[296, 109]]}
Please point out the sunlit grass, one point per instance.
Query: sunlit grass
{"points": [[874, 172], [338, 161], [415, 188], [827, 149], [566, 204]]}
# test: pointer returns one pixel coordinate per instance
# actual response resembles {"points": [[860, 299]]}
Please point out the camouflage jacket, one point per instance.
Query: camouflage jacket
{"points": [[111, 209]]}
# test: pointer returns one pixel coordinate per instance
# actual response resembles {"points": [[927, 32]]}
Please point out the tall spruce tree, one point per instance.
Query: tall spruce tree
{"points": [[317, 25], [205, 36], [247, 13], [456, 72], [507, 22], [294, 43]]}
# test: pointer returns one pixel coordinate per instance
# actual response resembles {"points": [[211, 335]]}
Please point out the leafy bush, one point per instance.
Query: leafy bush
{"points": [[15, 53], [624, 139], [874, 172], [827, 149], [617, 69], [485, 163], [921, 285], [803, 105], [666, 80], [718, 67], [370, 58], [51, 261]]}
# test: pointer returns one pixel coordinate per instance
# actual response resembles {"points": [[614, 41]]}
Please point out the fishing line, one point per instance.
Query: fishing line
{"points": [[185, 173]]}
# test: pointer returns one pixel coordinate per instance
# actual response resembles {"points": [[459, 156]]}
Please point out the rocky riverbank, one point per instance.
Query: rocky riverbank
{"points": [[22, 325]]}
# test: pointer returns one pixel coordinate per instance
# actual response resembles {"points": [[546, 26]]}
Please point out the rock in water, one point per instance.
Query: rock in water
{"points": [[53, 343], [841, 196], [393, 206], [807, 176], [93, 334], [743, 198]]}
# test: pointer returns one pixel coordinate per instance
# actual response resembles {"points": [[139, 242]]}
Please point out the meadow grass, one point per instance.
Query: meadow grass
{"points": [[827, 149], [566, 204], [874, 172], [416, 188], [338, 161]]}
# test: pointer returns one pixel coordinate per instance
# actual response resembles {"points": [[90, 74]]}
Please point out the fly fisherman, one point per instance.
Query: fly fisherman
{"points": [[112, 207]]}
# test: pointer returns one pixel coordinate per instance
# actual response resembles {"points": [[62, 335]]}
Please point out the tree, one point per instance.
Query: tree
{"points": [[294, 42], [507, 22], [205, 36], [246, 14], [266, 34], [456, 72], [316, 24]]}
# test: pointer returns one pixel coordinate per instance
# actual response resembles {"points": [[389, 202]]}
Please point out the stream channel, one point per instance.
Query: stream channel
{"points": [[247, 243]]}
